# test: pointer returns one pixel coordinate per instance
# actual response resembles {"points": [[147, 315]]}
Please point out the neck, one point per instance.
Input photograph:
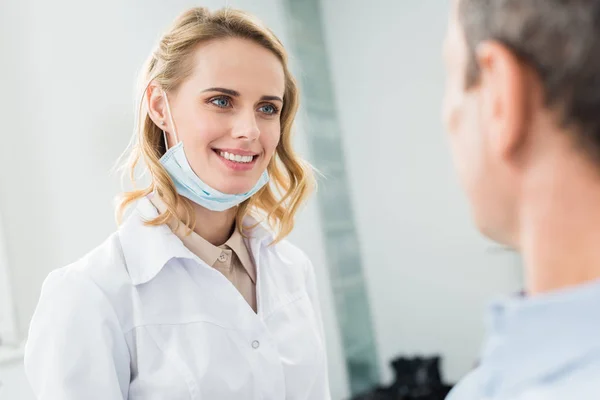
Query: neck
{"points": [[214, 226], [560, 226]]}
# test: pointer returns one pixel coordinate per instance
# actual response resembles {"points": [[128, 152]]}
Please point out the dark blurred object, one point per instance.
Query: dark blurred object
{"points": [[415, 378]]}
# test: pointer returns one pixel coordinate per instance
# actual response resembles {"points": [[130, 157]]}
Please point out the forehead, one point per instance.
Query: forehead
{"points": [[238, 64], [454, 4], [454, 45]]}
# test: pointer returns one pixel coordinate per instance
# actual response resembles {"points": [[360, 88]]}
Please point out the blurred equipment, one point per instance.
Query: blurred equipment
{"points": [[415, 378]]}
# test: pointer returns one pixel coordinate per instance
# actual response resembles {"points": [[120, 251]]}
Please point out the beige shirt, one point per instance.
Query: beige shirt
{"points": [[232, 258]]}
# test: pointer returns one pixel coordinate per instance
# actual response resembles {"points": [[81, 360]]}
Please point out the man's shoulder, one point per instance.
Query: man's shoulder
{"points": [[578, 380], [470, 387]]}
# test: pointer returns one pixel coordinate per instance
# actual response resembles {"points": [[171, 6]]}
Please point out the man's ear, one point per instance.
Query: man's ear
{"points": [[505, 94]]}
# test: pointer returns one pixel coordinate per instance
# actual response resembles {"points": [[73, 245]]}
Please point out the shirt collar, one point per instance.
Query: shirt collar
{"points": [[147, 249], [209, 253], [533, 337], [237, 244]]}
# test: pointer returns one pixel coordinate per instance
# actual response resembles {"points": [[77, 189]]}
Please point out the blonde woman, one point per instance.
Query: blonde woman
{"points": [[194, 297]]}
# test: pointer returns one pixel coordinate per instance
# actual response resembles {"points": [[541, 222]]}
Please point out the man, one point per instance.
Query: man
{"points": [[522, 110]]}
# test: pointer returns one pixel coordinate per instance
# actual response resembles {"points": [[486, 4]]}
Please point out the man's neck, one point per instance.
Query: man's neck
{"points": [[560, 227]]}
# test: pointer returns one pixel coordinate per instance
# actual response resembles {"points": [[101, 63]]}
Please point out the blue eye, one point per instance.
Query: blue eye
{"points": [[269, 109], [221, 102]]}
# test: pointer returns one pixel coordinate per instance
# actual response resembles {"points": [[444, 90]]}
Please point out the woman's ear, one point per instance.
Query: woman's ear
{"points": [[155, 101]]}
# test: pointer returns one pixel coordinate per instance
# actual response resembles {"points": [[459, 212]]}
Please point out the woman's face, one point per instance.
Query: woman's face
{"points": [[226, 113]]}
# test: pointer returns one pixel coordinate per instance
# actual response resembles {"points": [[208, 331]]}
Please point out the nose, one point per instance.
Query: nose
{"points": [[246, 127]]}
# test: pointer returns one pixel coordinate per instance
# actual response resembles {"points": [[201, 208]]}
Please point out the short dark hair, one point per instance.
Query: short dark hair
{"points": [[560, 40]]}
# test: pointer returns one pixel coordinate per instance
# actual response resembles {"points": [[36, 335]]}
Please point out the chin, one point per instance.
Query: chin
{"points": [[496, 232], [488, 232]]}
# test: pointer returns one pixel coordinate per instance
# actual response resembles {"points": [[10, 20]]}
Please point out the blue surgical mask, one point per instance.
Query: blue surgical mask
{"points": [[189, 185]]}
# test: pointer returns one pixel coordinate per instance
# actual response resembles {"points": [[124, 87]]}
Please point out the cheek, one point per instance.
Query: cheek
{"points": [[477, 172], [204, 129], [466, 139], [270, 136], [453, 116], [453, 105]]}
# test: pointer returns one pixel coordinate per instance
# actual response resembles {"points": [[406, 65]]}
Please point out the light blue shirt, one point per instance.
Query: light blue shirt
{"points": [[544, 347]]}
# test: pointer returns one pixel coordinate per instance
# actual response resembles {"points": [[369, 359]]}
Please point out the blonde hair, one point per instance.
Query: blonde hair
{"points": [[292, 179]]}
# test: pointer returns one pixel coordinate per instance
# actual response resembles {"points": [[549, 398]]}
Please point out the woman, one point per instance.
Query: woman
{"points": [[192, 298]]}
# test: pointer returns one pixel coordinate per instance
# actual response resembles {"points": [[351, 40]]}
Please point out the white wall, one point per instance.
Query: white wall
{"points": [[429, 273], [13, 382], [8, 326], [68, 71]]}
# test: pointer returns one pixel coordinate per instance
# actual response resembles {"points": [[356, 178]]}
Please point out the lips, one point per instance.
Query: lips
{"points": [[237, 160]]}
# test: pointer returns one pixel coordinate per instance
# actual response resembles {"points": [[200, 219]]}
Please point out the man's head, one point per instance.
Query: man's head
{"points": [[522, 95]]}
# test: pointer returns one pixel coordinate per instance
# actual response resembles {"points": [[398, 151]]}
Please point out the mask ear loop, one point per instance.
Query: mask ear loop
{"points": [[172, 123]]}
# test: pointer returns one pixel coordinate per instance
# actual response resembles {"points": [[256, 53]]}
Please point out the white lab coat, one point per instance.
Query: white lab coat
{"points": [[142, 317]]}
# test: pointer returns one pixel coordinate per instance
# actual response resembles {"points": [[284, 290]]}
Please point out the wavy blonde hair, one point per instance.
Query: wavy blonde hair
{"points": [[292, 178]]}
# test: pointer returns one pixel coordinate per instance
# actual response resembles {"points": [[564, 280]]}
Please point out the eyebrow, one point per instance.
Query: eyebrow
{"points": [[234, 93]]}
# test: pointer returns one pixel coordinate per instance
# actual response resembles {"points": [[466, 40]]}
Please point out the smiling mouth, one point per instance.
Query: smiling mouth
{"points": [[236, 158]]}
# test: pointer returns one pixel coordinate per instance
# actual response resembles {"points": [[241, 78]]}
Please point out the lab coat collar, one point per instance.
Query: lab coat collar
{"points": [[147, 249]]}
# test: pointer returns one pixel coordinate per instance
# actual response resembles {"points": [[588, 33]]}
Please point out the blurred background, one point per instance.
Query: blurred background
{"points": [[401, 270]]}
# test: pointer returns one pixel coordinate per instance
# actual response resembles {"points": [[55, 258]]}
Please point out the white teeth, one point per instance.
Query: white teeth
{"points": [[236, 157]]}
